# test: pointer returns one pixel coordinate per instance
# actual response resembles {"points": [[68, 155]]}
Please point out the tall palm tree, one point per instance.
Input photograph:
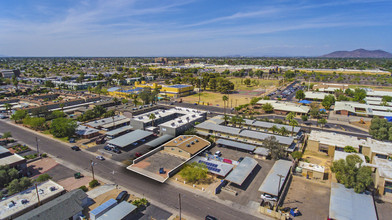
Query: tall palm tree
{"points": [[134, 99], [283, 131], [152, 117], [226, 118], [240, 120], [8, 107], [290, 116], [293, 123], [274, 129], [225, 99], [233, 120]]}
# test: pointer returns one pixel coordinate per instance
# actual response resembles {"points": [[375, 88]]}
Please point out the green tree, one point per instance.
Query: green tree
{"points": [[225, 99], [194, 172], [226, 118], [8, 107], [35, 123], [290, 116], [304, 118], [63, 127], [152, 117], [7, 135], [359, 94], [212, 84], [296, 155], [283, 131], [274, 129], [328, 101], [43, 177], [300, 95], [267, 107], [352, 174], [49, 84], [322, 122], [124, 101], [276, 150], [145, 95], [18, 185], [19, 115], [57, 114], [99, 110], [349, 149], [293, 123], [247, 82]]}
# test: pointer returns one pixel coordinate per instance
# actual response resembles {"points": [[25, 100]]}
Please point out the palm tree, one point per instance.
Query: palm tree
{"points": [[283, 131], [293, 123], [240, 120], [152, 117], [233, 120], [8, 107], [290, 116], [274, 129], [134, 99], [225, 99], [226, 119], [62, 106]]}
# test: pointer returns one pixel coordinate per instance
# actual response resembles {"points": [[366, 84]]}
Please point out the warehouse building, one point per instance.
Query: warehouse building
{"points": [[134, 138], [276, 178]]}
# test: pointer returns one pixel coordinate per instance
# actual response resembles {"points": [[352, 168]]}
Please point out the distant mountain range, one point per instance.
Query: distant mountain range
{"points": [[359, 53]]}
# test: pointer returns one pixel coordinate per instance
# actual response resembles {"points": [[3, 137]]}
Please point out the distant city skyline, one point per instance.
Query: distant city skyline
{"points": [[192, 27]]}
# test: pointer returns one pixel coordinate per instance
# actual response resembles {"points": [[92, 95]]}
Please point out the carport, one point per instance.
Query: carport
{"points": [[159, 141], [129, 138], [242, 171], [236, 145]]}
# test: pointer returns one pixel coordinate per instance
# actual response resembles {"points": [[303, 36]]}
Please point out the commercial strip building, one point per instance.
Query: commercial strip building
{"points": [[109, 123], [209, 128], [360, 109], [317, 96], [173, 121], [12, 160], [118, 132], [68, 206], [346, 204], [276, 178], [12, 207], [133, 138], [236, 145], [164, 161], [329, 143], [283, 108], [86, 132]]}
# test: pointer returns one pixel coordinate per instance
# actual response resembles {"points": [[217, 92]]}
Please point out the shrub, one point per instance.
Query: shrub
{"points": [[44, 155], [93, 183], [84, 188], [140, 202], [44, 177]]}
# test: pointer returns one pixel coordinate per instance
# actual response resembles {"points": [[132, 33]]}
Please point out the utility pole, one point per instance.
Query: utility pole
{"points": [[179, 200], [280, 179], [92, 168], [36, 189], [199, 88], [36, 141]]}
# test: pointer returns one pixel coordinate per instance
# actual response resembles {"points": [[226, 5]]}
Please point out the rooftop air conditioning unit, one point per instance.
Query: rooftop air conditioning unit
{"points": [[192, 142], [196, 140], [188, 145], [180, 139]]}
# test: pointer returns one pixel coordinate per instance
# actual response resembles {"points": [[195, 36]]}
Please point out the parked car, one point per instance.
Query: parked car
{"points": [[210, 217], [3, 116], [122, 196], [241, 159], [75, 148], [218, 153], [138, 154], [107, 148], [100, 158], [116, 150], [268, 197]]}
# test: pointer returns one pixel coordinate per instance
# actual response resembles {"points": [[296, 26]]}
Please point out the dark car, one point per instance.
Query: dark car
{"points": [[241, 159], [75, 148], [107, 148], [122, 196], [138, 154], [210, 217], [116, 150]]}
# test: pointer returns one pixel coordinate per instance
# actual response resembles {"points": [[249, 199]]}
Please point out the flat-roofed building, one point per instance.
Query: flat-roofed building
{"points": [[276, 178], [86, 132], [383, 178], [361, 109], [12, 206], [315, 95], [283, 108], [109, 123], [176, 91], [312, 171], [346, 204], [119, 131], [133, 138], [185, 146], [12, 160]]}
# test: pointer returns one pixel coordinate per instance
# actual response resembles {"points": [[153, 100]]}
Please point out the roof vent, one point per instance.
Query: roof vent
{"points": [[180, 139], [192, 142], [175, 142], [196, 140], [188, 145]]}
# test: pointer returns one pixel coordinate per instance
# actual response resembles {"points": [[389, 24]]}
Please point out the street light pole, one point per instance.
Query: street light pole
{"points": [[179, 200], [92, 168]]}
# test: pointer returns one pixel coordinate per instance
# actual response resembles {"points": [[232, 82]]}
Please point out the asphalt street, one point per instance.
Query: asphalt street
{"points": [[193, 205]]}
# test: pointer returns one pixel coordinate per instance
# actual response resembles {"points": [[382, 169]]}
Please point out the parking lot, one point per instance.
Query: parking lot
{"points": [[312, 199], [248, 192], [384, 210]]}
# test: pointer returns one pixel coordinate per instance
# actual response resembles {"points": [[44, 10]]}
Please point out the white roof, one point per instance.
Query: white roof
{"points": [[31, 196], [315, 95], [342, 155], [14, 158], [379, 147], [384, 167], [286, 106], [311, 166], [379, 93], [334, 139], [369, 109]]}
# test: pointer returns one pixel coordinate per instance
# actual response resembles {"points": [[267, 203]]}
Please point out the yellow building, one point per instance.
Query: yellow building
{"points": [[312, 171], [143, 84], [177, 91], [118, 92], [185, 146]]}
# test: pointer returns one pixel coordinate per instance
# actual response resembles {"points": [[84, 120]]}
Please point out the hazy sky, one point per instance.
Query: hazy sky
{"points": [[192, 27]]}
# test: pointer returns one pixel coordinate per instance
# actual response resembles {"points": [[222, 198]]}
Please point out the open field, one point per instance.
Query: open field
{"points": [[260, 84], [215, 99]]}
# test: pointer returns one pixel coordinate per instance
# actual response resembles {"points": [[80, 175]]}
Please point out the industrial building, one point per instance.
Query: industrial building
{"points": [[174, 121]]}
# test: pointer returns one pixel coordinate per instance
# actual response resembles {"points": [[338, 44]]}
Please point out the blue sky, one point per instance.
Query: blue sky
{"points": [[192, 27]]}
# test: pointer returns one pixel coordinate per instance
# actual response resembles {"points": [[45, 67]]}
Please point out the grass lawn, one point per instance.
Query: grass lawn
{"points": [[344, 72], [262, 83], [215, 99], [64, 139]]}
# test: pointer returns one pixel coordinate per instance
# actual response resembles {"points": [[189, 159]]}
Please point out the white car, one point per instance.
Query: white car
{"points": [[268, 197], [100, 158], [218, 153]]}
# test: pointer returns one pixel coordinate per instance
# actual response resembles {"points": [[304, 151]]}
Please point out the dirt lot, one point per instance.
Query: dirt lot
{"points": [[312, 199]]}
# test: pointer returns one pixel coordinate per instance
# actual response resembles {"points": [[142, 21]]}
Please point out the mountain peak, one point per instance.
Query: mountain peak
{"points": [[359, 53]]}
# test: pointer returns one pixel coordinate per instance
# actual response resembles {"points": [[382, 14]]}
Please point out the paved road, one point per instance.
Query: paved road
{"points": [[192, 205]]}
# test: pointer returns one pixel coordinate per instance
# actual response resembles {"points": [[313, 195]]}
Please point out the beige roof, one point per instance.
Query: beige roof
{"points": [[315, 95], [189, 143], [15, 158], [286, 106]]}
